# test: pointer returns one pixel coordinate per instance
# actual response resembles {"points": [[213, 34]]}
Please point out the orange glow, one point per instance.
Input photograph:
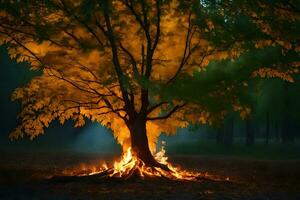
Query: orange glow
{"points": [[129, 165]]}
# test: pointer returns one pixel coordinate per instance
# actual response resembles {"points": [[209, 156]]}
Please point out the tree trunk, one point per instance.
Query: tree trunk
{"points": [[267, 129], [220, 135], [277, 131], [250, 137], [139, 143], [228, 137], [287, 134]]}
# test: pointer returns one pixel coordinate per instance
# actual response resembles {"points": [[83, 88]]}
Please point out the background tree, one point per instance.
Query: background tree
{"points": [[144, 67]]}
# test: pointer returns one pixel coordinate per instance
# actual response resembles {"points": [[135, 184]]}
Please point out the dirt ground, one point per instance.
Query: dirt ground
{"points": [[29, 176]]}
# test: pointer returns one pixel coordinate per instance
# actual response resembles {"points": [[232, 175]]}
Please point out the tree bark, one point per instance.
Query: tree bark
{"points": [[139, 143]]}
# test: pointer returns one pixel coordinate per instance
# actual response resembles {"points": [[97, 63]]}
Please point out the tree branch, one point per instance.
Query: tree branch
{"points": [[187, 49], [155, 106], [133, 61], [169, 114], [116, 62], [88, 28]]}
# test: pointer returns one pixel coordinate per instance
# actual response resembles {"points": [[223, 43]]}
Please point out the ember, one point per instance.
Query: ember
{"points": [[130, 165]]}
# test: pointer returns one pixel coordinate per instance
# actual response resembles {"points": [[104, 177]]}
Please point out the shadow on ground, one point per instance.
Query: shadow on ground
{"points": [[28, 176]]}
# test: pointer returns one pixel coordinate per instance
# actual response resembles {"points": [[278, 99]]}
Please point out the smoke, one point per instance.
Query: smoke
{"points": [[96, 138]]}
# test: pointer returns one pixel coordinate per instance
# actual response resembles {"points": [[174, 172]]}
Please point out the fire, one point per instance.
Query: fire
{"points": [[129, 165]]}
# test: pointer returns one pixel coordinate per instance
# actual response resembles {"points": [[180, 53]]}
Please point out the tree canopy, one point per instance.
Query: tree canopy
{"points": [[174, 62]]}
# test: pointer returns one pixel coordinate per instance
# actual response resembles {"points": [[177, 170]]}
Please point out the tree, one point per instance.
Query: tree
{"points": [[250, 135], [141, 67]]}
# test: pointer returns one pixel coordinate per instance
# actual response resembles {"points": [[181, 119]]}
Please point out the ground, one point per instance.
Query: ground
{"points": [[28, 176]]}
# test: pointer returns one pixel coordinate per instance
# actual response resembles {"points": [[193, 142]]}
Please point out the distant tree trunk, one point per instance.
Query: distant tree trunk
{"points": [[287, 134], [228, 137], [250, 137], [220, 135], [277, 131], [267, 131]]}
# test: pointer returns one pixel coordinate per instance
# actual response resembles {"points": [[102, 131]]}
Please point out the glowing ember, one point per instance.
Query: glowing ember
{"points": [[130, 165]]}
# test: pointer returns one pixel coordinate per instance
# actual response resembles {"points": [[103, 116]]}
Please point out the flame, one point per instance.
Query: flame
{"points": [[130, 165]]}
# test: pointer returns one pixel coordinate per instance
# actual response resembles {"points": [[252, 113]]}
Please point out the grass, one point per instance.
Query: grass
{"points": [[238, 149]]}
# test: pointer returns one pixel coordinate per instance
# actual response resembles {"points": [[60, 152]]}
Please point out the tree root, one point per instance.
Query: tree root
{"points": [[139, 170]]}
